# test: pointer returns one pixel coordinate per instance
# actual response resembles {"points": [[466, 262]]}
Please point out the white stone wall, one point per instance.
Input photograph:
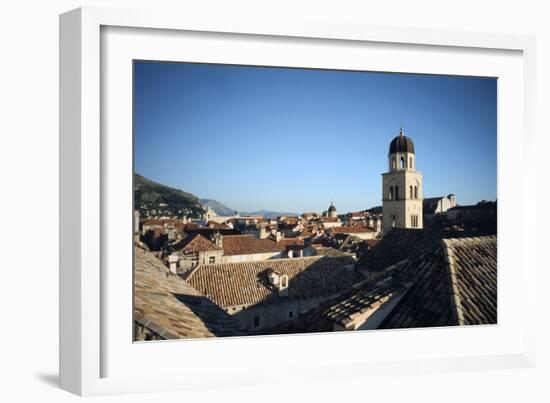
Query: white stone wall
{"points": [[445, 204], [329, 224], [136, 221], [187, 262], [254, 257], [405, 206]]}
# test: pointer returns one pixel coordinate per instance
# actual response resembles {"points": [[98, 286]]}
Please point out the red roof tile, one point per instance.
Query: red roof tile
{"points": [[351, 229], [196, 243], [291, 241], [248, 244]]}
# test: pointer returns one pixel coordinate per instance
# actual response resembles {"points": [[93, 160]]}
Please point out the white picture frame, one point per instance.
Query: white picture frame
{"points": [[87, 314]]}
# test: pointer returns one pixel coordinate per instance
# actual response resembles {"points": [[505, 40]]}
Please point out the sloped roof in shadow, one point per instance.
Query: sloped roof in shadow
{"points": [[170, 307]]}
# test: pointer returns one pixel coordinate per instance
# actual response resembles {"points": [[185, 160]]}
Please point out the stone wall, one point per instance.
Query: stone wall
{"points": [[253, 257]]}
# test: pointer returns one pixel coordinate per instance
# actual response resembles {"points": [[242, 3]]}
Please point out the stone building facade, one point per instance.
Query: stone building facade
{"points": [[402, 190]]}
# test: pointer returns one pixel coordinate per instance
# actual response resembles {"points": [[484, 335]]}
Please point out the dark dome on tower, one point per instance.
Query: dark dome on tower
{"points": [[401, 144], [331, 208]]}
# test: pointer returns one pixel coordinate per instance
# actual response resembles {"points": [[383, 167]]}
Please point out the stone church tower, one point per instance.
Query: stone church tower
{"points": [[402, 191], [331, 212]]}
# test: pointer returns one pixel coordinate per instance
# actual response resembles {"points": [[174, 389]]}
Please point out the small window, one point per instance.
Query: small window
{"points": [[416, 192], [212, 259], [397, 193], [411, 191], [411, 162], [391, 192], [402, 163], [256, 321], [393, 220], [290, 314]]}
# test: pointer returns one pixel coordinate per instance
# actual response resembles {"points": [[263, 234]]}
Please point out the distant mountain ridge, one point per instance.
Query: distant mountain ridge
{"points": [[222, 210], [219, 208], [270, 214]]}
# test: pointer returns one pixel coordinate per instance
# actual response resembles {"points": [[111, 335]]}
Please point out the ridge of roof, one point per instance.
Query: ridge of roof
{"points": [[198, 241]]}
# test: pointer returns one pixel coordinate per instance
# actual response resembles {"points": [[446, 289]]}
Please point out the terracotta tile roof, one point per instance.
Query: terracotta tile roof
{"points": [[169, 307], [306, 234], [195, 243], [246, 283], [160, 222], [153, 221], [461, 289], [455, 283], [354, 229], [332, 252], [291, 241], [400, 243], [248, 244]]}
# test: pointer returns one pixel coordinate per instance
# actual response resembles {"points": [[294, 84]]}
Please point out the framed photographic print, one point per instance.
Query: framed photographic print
{"points": [[320, 194]]}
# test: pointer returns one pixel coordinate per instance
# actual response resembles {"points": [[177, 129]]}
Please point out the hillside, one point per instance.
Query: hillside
{"points": [[222, 210], [375, 210], [152, 198], [218, 207]]}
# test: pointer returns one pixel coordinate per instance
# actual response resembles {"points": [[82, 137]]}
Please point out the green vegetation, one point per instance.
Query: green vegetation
{"points": [[152, 198]]}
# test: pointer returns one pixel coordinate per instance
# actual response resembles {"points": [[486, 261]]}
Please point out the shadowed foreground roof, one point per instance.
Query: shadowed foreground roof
{"points": [[455, 283], [400, 243], [246, 283], [169, 307]]}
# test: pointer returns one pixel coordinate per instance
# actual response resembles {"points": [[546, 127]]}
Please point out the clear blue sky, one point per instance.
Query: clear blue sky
{"points": [[294, 139]]}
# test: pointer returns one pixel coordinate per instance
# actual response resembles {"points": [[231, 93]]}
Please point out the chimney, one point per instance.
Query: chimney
{"points": [[218, 240], [171, 232], [273, 277], [283, 285], [278, 281], [173, 261]]}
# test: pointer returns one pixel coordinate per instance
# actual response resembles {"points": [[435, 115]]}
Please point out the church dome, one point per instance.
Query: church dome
{"points": [[402, 144], [331, 208]]}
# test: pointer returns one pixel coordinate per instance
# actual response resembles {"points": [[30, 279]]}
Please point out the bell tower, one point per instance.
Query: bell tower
{"points": [[402, 191]]}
